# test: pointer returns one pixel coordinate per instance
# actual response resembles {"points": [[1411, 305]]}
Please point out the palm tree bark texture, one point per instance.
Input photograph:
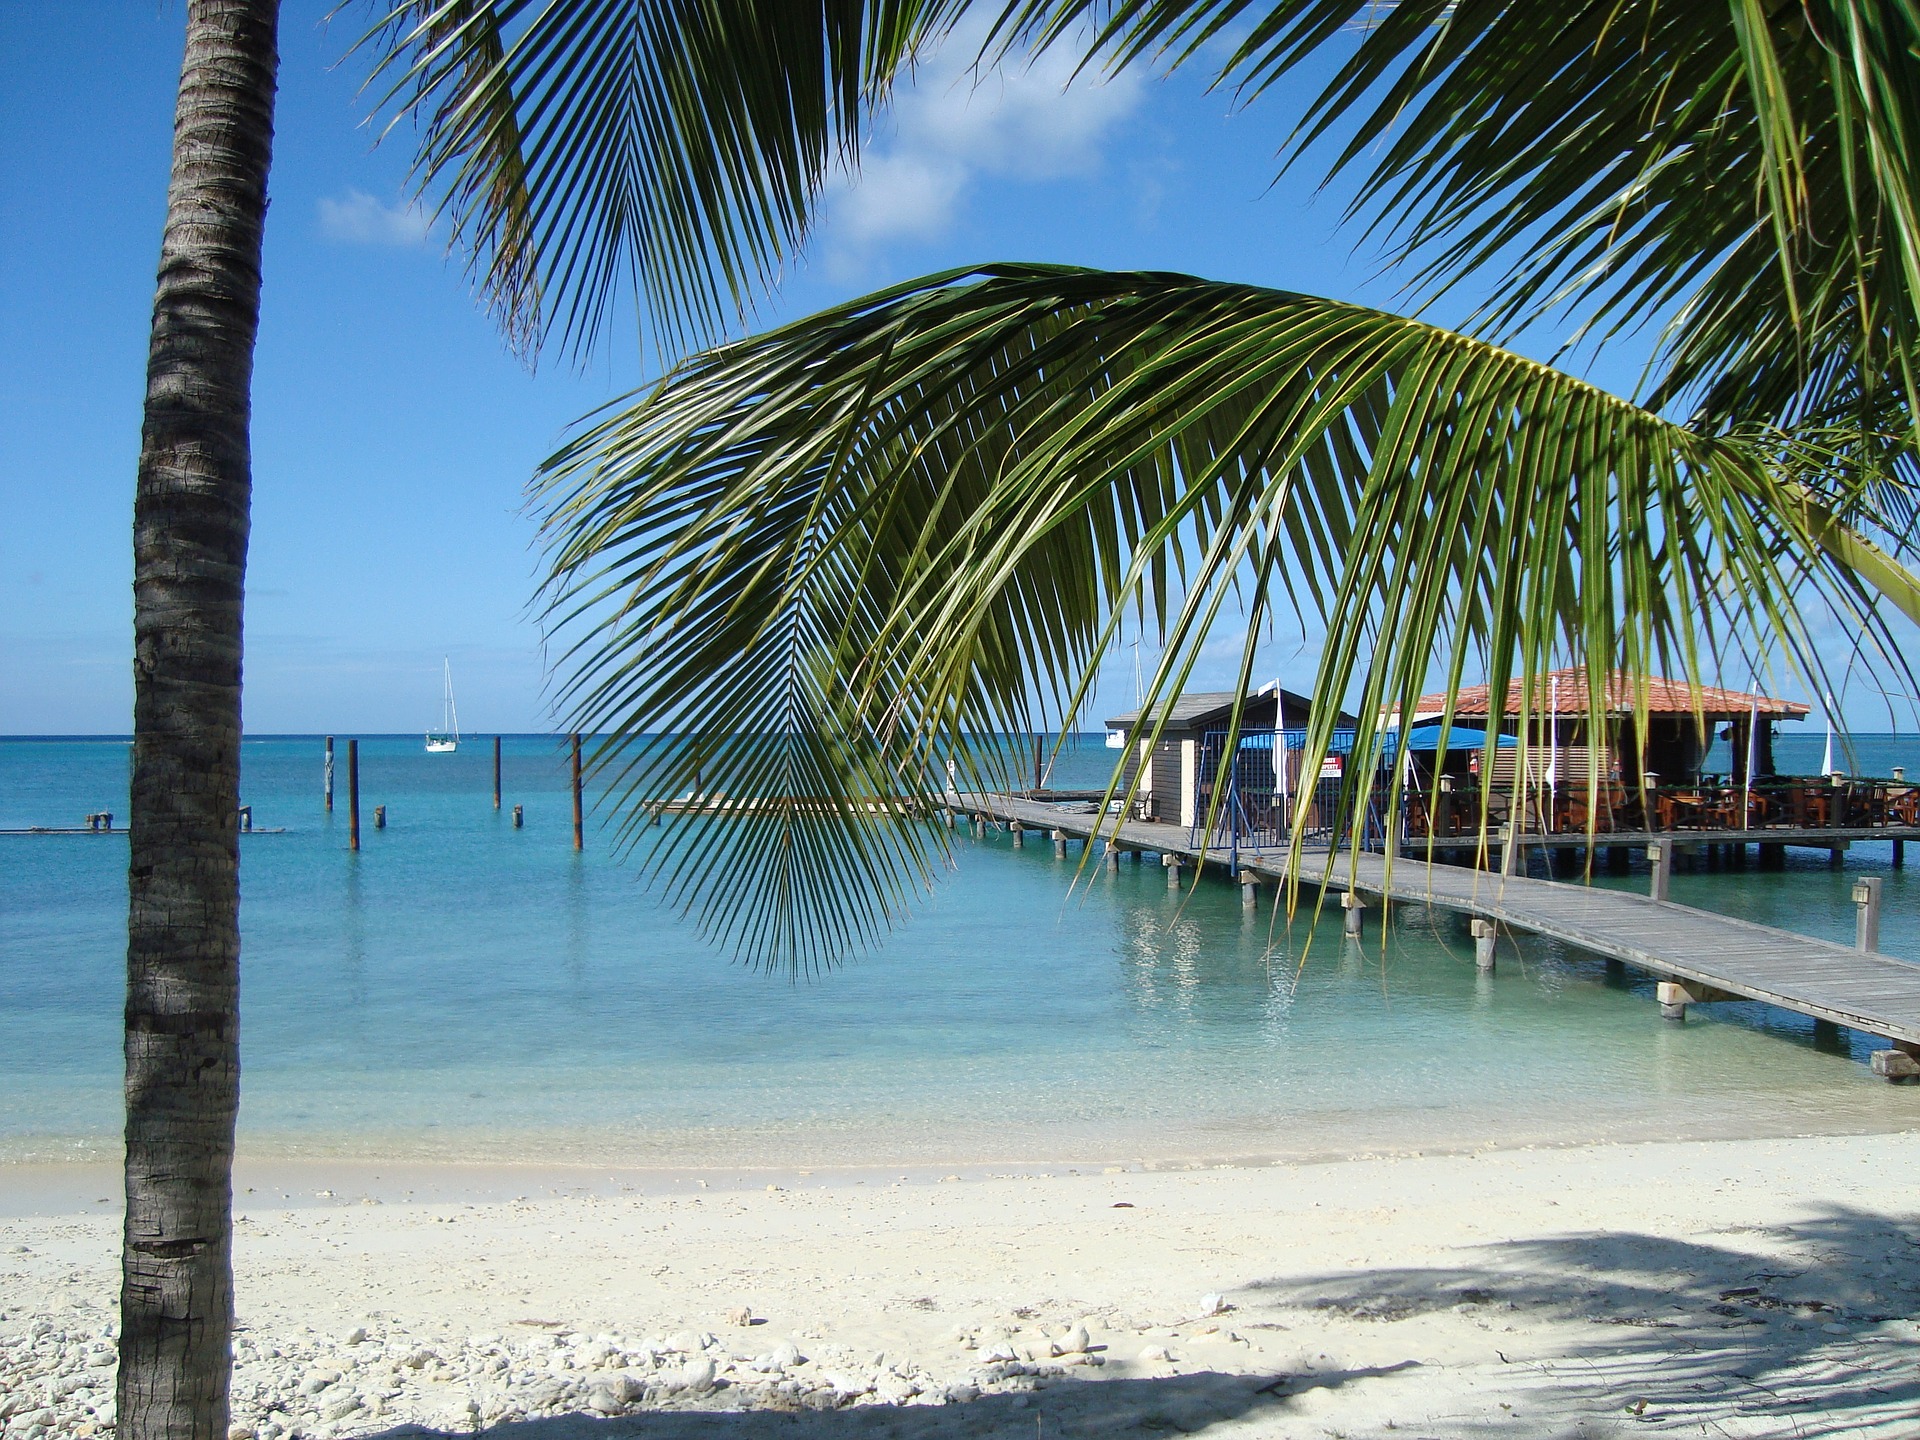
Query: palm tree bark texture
{"points": [[190, 551]]}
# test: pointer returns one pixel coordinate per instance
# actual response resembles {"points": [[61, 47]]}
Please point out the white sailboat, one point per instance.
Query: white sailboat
{"points": [[446, 739]]}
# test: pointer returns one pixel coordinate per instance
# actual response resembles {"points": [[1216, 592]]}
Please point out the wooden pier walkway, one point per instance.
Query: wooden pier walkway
{"points": [[1697, 955]]}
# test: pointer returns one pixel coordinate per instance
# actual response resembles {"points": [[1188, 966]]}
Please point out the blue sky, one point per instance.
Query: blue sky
{"points": [[393, 433]]}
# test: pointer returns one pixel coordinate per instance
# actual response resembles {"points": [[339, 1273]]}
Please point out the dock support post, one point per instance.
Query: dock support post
{"points": [[1019, 835], [246, 819], [1660, 857], [1483, 935], [1837, 854], [1899, 854], [1673, 998], [1059, 844], [496, 772], [1356, 918], [1902, 1062], [1827, 1036], [1249, 890], [353, 794], [949, 818], [379, 817], [1773, 856], [979, 827], [519, 816], [1113, 857], [1510, 847], [1173, 863], [579, 826], [1866, 918], [328, 783]]}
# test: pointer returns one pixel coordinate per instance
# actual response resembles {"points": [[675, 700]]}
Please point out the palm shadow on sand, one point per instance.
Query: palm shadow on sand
{"points": [[1172, 1405], [1685, 1334]]}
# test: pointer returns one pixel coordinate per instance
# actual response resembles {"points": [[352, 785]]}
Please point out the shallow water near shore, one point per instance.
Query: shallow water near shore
{"points": [[465, 991]]}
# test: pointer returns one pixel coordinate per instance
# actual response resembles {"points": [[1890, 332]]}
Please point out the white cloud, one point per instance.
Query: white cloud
{"points": [[360, 219], [949, 126]]}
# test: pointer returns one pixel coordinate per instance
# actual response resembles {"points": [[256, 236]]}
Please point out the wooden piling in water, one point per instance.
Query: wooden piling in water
{"points": [[379, 817], [496, 772], [519, 816], [1483, 942], [328, 783], [579, 819], [353, 794]]}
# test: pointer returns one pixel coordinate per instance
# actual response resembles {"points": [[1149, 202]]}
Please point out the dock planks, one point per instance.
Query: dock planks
{"points": [[1874, 993]]}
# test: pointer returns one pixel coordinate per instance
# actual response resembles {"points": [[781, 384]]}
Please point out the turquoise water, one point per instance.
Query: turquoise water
{"points": [[464, 990]]}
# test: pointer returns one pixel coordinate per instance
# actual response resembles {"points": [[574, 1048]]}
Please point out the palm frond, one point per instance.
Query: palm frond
{"points": [[669, 151], [835, 556], [1746, 167]]}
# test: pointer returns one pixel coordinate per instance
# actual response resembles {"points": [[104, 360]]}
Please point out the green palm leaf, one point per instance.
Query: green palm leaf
{"points": [[836, 556], [1746, 166], [672, 150]]}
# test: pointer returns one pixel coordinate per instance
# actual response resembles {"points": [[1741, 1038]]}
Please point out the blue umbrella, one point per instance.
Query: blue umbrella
{"points": [[1460, 737]]}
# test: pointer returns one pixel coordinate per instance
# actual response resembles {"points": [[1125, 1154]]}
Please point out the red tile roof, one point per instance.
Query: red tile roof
{"points": [[1664, 697]]}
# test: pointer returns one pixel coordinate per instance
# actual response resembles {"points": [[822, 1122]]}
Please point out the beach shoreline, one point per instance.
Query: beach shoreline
{"points": [[1544, 1291]]}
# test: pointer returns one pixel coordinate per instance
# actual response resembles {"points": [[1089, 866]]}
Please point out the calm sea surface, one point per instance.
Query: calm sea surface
{"points": [[463, 990]]}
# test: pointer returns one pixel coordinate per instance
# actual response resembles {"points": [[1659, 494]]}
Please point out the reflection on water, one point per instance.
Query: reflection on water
{"points": [[463, 988]]}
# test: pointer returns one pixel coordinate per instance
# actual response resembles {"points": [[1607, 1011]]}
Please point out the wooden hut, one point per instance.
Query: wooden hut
{"points": [[1169, 777]]}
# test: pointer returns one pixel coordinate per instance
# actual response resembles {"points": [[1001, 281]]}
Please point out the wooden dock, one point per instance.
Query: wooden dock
{"points": [[1697, 956]]}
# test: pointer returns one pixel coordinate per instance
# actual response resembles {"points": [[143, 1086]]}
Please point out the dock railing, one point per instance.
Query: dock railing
{"points": [[1713, 804]]}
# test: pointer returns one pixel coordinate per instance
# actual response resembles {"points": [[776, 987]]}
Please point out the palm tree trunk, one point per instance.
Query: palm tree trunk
{"points": [[190, 553]]}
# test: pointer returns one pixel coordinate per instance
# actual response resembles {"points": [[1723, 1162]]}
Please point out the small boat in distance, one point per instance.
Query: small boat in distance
{"points": [[446, 739]]}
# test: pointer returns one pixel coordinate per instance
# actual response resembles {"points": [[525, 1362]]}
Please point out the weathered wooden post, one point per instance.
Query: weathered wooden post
{"points": [[1902, 1062], [353, 794], [579, 819], [327, 784], [1173, 863], [1249, 890], [1660, 857], [1673, 996], [1356, 917], [519, 816], [1483, 938], [1019, 835], [496, 772], [1510, 847], [1059, 844], [379, 817], [1113, 857], [1866, 905]]}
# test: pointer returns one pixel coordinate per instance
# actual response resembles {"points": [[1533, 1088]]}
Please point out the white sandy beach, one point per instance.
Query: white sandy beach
{"points": [[1728, 1288]]}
